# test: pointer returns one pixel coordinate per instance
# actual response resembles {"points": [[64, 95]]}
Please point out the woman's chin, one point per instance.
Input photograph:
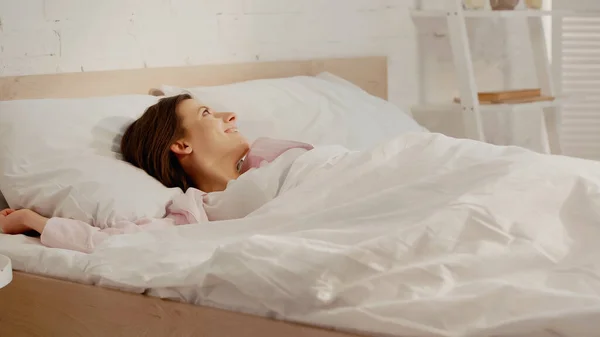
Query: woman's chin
{"points": [[236, 135]]}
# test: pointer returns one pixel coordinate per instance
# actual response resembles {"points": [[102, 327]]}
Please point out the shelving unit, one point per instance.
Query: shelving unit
{"points": [[455, 17]]}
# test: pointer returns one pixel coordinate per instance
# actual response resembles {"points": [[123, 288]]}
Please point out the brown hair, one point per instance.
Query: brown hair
{"points": [[147, 143]]}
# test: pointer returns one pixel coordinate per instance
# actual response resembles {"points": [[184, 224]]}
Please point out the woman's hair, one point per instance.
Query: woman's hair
{"points": [[147, 143]]}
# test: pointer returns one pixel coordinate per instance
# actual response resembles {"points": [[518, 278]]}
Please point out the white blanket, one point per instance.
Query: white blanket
{"points": [[422, 236]]}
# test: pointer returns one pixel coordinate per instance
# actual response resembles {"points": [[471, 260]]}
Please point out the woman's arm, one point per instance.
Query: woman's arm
{"points": [[80, 236], [72, 234], [77, 235]]}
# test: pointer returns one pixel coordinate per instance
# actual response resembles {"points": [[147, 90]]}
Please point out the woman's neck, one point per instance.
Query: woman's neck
{"points": [[216, 179], [215, 176]]}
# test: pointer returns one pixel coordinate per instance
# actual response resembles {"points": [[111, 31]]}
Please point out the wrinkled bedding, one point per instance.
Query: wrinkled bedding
{"points": [[424, 235]]}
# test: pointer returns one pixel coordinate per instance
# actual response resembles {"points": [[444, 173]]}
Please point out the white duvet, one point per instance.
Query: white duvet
{"points": [[422, 236]]}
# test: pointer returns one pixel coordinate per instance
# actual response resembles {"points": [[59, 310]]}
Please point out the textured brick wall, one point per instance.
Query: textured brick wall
{"points": [[50, 36]]}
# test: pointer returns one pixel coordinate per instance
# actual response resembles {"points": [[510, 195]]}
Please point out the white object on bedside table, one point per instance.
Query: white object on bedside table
{"points": [[5, 271]]}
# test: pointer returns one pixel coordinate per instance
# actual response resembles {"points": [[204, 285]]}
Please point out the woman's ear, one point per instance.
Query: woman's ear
{"points": [[181, 147]]}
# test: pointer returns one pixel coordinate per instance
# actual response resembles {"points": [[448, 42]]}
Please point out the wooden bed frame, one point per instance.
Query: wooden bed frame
{"points": [[37, 305]]}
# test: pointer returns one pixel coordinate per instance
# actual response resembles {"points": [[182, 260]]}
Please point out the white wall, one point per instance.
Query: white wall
{"points": [[48, 36]]}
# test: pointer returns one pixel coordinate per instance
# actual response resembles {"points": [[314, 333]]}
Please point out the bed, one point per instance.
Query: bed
{"points": [[416, 235], [43, 305]]}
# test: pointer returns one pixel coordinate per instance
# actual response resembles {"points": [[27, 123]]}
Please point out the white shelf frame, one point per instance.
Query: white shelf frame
{"points": [[471, 109]]}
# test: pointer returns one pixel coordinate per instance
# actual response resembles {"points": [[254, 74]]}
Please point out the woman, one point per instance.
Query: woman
{"points": [[184, 144]]}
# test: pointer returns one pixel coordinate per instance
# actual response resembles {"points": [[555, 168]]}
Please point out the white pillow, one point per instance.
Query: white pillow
{"points": [[391, 120], [321, 110], [61, 157]]}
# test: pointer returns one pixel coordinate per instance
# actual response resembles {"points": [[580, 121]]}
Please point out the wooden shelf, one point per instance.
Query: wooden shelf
{"points": [[441, 107], [517, 13]]}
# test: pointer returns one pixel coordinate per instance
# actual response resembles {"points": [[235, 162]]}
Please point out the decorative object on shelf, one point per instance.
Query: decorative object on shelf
{"points": [[520, 96], [509, 94], [503, 5], [473, 4], [513, 100], [534, 4], [511, 97]]}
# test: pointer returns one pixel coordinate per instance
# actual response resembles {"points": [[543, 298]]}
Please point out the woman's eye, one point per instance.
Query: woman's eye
{"points": [[205, 112]]}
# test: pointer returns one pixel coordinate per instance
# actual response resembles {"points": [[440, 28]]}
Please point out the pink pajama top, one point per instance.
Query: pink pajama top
{"points": [[242, 196]]}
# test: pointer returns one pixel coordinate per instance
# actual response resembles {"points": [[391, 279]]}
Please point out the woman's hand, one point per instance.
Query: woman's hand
{"points": [[20, 221]]}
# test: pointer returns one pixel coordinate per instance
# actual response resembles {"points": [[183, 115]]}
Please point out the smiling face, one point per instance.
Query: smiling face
{"points": [[209, 136]]}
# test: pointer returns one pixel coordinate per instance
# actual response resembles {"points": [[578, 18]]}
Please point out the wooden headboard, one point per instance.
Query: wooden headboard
{"points": [[370, 73]]}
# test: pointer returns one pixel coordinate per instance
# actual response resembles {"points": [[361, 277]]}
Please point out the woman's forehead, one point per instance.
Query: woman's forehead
{"points": [[188, 107]]}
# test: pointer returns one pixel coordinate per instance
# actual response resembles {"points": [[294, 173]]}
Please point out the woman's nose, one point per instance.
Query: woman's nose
{"points": [[228, 117]]}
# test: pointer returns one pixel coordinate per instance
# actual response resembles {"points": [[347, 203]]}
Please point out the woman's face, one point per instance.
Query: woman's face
{"points": [[208, 134]]}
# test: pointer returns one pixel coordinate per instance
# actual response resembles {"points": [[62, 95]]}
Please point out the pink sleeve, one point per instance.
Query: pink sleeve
{"points": [[268, 149], [80, 236]]}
